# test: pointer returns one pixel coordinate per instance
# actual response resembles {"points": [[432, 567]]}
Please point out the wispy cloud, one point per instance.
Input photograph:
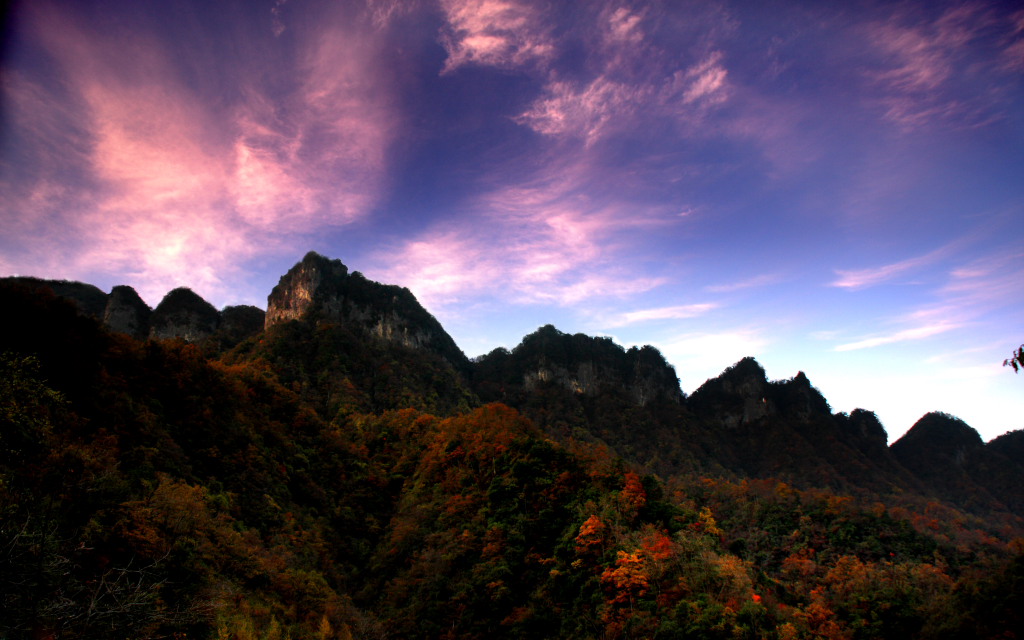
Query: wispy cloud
{"points": [[971, 292], [916, 333], [677, 312], [762, 280], [871, 276], [172, 182], [929, 70], [498, 33], [545, 241]]}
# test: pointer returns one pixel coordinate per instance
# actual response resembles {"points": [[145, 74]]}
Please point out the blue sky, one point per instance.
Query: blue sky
{"points": [[836, 188]]}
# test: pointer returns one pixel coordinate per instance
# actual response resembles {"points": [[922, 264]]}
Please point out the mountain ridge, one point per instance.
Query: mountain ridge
{"points": [[573, 386]]}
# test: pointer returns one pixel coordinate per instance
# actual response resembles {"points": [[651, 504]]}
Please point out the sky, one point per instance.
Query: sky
{"points": [[835, 188]]}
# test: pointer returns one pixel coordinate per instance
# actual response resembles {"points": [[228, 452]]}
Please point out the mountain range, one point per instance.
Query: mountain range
{"points": [[316, 463], [739, 424]]}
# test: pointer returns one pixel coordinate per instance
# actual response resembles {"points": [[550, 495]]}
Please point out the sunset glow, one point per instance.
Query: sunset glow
{"points": [[837, 189]]}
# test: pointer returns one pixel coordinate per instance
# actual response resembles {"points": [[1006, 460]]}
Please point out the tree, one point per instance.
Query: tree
{"points": [[1016, 360]]}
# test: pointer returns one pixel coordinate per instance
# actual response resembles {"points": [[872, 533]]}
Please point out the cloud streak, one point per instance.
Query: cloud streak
{"points": [[916, 333], [862, 278], [677, 312], [925, 65], [175, 187]]}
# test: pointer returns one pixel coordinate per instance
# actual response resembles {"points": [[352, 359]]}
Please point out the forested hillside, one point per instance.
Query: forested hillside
{"points": [[323, 479]]}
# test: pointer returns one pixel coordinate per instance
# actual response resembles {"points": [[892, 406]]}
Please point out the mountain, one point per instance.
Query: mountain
{"points": [[125, 312], [351, 344], [182, 313], [323, 290], [957, 466], [786, 429], [339, 471]]}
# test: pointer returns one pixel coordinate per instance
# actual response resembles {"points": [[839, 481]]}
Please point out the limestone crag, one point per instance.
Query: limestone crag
{"points": [[318, 289], [297, 291], [584, 365], [738, 397], [126, 312]]}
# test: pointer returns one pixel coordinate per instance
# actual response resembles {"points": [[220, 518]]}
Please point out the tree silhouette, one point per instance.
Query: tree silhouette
{"points": [[1016, 360]]}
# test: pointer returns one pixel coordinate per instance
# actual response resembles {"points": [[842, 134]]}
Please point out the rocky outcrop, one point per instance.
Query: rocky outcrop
{"points": [[737, 397], [863, 428], [585, 365], [125, 312], [183, 314], [321, 290], [299, 291]]}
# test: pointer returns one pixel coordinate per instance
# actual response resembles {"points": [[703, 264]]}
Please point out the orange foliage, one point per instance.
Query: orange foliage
{"points": [[592, 535], [657, 546], [628, 579], [633, 496]]}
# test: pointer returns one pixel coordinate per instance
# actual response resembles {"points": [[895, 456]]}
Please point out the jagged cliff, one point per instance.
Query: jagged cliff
{"points": [[323, 290], [580, 364], [126, 312]]}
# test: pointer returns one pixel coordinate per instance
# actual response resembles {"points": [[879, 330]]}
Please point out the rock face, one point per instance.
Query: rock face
{"points": [[299, 290], [738, 397], [183, 314], [318, 289], [584, 365], [125, 312]]}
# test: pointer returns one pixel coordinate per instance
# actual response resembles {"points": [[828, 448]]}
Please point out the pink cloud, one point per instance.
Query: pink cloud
{"points": [[633, 82], [499, 33], [176, 188], [925, 65], [972, 292], [538, 243]]}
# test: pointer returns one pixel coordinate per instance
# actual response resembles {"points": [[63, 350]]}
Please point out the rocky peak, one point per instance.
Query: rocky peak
{"points": [[865, 429], [797, 397], [184, 314], [125, 312], [739, 396], [583, 364], [323, 290], [242, 321], [937, 439], [89, 299], [299, 290]]}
